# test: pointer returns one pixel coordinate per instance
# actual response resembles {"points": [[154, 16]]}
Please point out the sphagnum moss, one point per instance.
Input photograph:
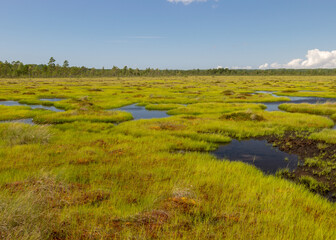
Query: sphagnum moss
{"points": [[153, 179]]}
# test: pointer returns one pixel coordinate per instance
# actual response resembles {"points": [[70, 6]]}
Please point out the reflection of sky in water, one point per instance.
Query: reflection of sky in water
{"points": [[140, 112], [51, 99], [273, 106], [15, 103], [27, 121], [258, 153], [312, 100], [267, 92]]}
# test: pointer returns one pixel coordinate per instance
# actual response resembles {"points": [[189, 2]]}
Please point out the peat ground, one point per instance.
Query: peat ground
{"points": [[317, 166]]}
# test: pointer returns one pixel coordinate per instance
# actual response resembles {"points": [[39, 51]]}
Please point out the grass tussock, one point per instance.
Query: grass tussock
{"points": [[83, 115], [163, 107], [32, 209], [30, 215], [326, 135], [26, 217], [319, 109], [19, 112], [210, 108], [313, 185], [155, 178], [243, 116], [18, 134]]}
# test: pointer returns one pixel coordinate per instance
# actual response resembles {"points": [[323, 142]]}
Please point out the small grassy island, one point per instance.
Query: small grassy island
{"points": [[82, 168]]}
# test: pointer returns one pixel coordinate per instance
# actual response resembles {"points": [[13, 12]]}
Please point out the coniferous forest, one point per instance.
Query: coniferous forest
{"points": [[17, 69]]}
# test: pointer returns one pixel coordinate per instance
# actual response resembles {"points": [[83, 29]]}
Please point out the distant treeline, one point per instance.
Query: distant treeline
{"points": [[18, 69]]}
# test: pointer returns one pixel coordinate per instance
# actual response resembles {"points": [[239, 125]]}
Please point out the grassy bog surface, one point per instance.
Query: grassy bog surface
{"points": [[77, 175], [86, 115]]}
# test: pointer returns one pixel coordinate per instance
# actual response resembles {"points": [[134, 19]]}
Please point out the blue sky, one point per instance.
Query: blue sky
{"points": [[163, 34]]}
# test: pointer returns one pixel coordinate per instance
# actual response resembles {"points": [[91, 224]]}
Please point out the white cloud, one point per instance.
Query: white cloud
{"points": [[314, 59], [240, 67], [186, 2], [264, 66]]}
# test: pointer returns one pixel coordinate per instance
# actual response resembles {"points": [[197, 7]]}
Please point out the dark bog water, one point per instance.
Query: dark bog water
{"points": [[274, 106], [15, 103], [258, 153], [140, 112], [267, 92], [27, 121]]}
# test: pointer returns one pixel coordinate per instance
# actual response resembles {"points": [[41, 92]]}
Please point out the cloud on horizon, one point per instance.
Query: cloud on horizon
{"points": [[241, 67], [186, 2], [314, 59]]}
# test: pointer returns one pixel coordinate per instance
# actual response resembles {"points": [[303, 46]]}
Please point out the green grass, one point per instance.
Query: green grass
{"points": [[82, 177], [19, 112], [313, 184], [333, 116], [163, 107], [326, 135], [319, 109], [80, 115], [139, 191], [208, 108]]}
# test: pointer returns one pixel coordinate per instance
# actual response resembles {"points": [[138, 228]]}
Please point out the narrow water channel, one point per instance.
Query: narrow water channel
{"points": [[26, 120], [51, 99], [259, 153], [140, 112], [256, 152], [274, 106], [29, 120], [16, 103]]}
